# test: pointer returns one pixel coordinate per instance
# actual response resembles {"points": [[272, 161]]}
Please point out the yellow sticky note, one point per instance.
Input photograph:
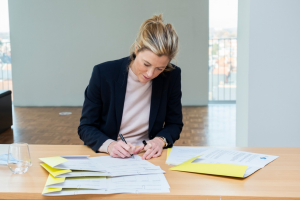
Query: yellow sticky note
{"points": [[54, 180], [211, 168], [53, 171], [49, 189], [53, 161]]}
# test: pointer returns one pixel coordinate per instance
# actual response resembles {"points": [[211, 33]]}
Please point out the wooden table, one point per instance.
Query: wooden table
{"points": [[278, 180]]}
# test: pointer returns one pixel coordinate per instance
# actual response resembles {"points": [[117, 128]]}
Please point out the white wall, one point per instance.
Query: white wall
{"points": [[242, 75], [272, 61], [56, 43]]}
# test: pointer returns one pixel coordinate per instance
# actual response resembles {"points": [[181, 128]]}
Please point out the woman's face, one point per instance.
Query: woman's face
{"points": [[147, 65]]}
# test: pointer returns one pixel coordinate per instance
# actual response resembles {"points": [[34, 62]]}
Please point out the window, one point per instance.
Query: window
{"points": [[222, 50]]}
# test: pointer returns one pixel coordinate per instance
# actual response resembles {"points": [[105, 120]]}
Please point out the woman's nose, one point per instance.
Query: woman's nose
{"points": [[149, 73]]}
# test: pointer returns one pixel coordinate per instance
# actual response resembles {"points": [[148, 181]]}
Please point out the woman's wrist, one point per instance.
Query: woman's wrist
{"points": [[162, 141], [104, 146], [110, 147]]}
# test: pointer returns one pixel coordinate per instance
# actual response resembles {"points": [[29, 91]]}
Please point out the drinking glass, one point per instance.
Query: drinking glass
{"points": [[18, 160]]}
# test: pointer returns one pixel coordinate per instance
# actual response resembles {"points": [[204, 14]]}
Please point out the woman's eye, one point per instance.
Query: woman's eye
{"points": [[146, 65], [160, 69]]}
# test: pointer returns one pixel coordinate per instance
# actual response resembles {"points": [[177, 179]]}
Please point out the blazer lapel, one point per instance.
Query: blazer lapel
{"points": [[120, 92], [157, 88]]}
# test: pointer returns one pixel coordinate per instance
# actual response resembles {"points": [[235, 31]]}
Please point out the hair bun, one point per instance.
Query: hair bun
{"points": [[157, 18]]}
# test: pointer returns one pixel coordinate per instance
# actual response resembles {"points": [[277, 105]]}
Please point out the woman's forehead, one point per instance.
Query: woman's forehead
{"points": [[153, 59]]}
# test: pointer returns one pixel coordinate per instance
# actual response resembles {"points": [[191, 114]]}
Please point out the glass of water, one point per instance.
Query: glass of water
{"points": [[18, 160]]}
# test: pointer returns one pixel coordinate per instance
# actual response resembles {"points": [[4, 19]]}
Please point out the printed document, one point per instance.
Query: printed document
{"points": [[155, 183], [225, 156], [181, 154]]}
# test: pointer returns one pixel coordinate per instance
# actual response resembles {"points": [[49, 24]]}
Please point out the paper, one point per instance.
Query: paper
{"points": [[53, 161], [237, 157], [78, 173], [4, 158], [110, 167], [79, 163], [224, 162], [77, 182], [53, 171], [212, 168], [62, 191], [128, 166], [72, 163], [130, 175], [54, 180], [250, 169], [181, 154], [156, 183], [49, 190]]}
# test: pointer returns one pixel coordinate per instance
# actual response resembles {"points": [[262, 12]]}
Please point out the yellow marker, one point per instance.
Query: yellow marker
{"points": [[53, 171], [212, 168], [53, 161]]}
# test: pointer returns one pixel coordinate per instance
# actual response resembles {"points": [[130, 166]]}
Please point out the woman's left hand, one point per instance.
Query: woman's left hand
{"points": [[153, 148]]}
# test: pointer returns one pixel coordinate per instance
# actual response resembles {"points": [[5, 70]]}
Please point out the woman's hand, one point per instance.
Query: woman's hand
{"points": [[153, 148], [120, 149]]}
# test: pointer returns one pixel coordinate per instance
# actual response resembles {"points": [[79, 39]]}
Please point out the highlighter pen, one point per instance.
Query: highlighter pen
{"points": [[122, 138], [145, 143]]}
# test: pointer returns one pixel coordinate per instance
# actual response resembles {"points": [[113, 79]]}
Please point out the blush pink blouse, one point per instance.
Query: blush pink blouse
{"points": [[136, 112]]}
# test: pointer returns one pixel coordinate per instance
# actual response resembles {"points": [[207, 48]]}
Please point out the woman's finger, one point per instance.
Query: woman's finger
{"points": [[151, 154], [115, 155], [122, 152], [157, 154], [148, 146], [137, 150], [124, 146], [118, 154], [132, 148], [146, 154]]}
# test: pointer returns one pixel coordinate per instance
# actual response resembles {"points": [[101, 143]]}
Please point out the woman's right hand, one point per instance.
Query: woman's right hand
{"points": [[120, 149]]}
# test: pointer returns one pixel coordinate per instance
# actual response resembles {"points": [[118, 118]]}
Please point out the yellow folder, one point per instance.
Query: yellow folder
{"points": [[211, 168], [54, 180], [54, 171], [53, 161], [49, 189]]}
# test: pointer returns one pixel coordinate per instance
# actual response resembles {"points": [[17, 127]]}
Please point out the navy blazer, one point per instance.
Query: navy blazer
{"points": [[104, 101]]}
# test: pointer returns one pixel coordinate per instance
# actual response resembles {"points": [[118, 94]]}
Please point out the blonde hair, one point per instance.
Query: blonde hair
{"points": [[157, 37]]}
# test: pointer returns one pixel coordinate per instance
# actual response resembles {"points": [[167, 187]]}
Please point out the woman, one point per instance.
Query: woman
{"points": [[138, 96]]}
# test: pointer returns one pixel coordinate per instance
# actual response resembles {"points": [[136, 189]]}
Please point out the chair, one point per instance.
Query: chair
{"points": [[5, 110]]}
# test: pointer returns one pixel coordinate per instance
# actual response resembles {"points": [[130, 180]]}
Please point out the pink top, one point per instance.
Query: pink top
{"points": [[136, 112]]}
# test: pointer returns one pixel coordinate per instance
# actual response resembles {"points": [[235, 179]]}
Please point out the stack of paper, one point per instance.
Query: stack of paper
{"points": [[70, 175], [217, 161]]}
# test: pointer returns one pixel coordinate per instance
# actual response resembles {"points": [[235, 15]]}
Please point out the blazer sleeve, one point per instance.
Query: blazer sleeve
{"points": [[173, 122], [89, 128]]}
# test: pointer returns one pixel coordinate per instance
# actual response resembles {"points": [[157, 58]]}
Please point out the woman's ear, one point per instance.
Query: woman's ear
{"points": [[136, 50]]}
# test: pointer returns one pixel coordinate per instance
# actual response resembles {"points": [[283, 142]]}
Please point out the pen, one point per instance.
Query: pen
{"points": [[123, 139]]}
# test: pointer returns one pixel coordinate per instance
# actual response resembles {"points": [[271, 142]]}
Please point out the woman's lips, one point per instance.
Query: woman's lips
{"points": [[145, 77]]}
